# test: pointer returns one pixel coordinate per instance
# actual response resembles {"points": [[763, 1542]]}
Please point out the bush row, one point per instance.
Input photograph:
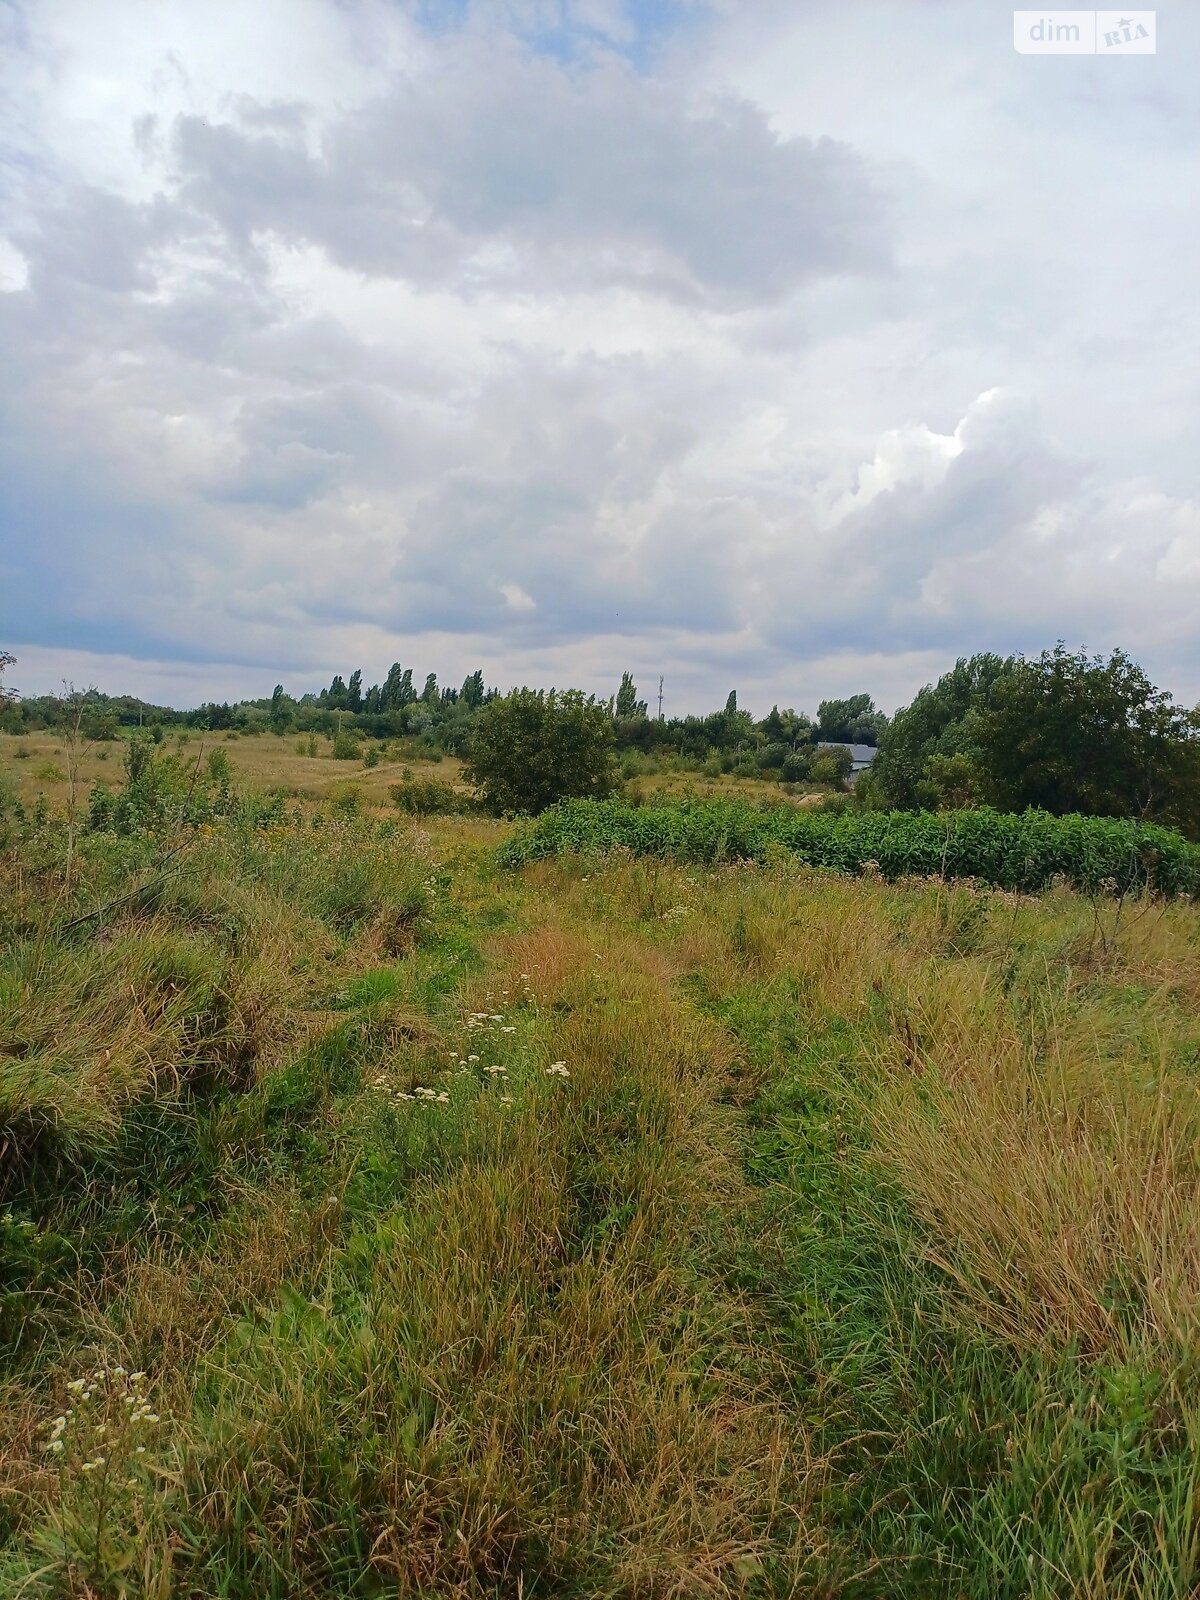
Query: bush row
{"points": [[1025, 851]]}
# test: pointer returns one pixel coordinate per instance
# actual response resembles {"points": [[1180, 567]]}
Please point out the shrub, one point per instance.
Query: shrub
{"points": [[345, 799], [345, 747], [832, 765], [160, 788], [422, 797], [797, 765], [531, 749], [1022, 851], [220, 769]]}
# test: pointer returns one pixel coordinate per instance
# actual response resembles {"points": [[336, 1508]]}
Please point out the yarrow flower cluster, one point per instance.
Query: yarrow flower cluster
{"points": [[109, 1408], [558, 1069], [480, 1021], [109, 1459], [422, 1092]]}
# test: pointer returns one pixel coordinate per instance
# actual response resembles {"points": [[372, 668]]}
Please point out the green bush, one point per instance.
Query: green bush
{"points": [[426, 797], [832, 765], [345, 800], [1023, 851], [797, 765], [161, 788], [531, 749]]}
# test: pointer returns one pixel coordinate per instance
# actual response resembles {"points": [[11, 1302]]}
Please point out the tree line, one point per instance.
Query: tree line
{"points": [[784, 744], [1063, 732]]}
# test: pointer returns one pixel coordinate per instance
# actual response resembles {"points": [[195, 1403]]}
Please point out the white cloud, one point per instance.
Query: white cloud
{"points": [[14, 269], [516, 598]]}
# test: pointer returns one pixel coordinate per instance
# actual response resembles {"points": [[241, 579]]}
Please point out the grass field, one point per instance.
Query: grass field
{"points": [[380, 1222], [39, 764]]}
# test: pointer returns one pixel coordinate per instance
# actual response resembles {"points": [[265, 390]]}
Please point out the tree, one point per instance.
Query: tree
{"points": [[6, 661], [731, 704], [389, 694], [1064, 731], [785, 727], [1071, 732], [280, 712], [472, 690], [429, 694], [938, 723], [531, 748], [628, 704], [832, 765], [851, 721], [354, 691]]}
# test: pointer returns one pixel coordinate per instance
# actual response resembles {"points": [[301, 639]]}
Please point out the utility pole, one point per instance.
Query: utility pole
{"points": [[660, 684]]}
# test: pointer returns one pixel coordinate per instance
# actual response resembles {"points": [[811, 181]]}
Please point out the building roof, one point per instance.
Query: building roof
{"points": [[861, 754]]}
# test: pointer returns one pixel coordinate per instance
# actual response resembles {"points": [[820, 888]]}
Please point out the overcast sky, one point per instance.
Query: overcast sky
{"points": [[793, 347]]}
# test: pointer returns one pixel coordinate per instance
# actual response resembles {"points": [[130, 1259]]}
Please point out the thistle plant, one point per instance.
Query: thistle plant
{"points": [[105, 1526]]}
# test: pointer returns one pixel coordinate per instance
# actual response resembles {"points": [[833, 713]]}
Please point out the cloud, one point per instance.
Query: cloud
{"points": [[797, 349], [500, 168]]}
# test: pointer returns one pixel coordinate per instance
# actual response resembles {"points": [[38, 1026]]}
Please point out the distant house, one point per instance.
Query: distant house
{"points": [[861, 755]]}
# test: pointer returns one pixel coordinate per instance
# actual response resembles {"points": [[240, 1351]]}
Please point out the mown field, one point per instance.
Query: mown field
{"points": [[377, 1219]]}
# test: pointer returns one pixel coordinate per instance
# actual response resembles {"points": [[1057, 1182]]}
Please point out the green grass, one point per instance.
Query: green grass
{"points": [[615, 1227]]}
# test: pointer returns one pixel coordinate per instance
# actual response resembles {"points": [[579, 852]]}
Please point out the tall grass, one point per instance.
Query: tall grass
{"points": [[620, 1227]]}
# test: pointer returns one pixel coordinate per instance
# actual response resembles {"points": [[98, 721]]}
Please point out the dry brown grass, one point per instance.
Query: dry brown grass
{"points": [[1043, 1125], [1055, 1168], [1046, 1134], [260, 761]]}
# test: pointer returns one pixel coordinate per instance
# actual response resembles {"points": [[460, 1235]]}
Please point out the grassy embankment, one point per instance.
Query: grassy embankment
{"points": [[606, 1228]]}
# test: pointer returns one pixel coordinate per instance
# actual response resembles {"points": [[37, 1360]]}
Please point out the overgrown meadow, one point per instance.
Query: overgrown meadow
{"points": [[381, 1216]]}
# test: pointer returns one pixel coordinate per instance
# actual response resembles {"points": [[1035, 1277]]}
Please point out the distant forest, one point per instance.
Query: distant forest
{"points": [[442, 720]]}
